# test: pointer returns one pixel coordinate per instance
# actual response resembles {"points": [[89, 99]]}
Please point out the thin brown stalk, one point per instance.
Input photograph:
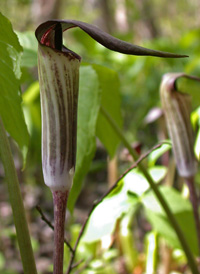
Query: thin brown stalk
{"points": [[60, 202]]}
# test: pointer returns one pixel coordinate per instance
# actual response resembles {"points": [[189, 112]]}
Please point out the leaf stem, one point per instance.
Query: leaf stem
{"points": [[17, 204], [44, 218], [155, 189]]}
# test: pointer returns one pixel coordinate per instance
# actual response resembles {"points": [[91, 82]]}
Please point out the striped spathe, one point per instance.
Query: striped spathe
{"points": [[59, 80], [177, 108]]}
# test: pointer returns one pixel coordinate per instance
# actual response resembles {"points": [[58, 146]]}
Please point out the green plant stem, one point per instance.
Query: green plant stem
{"points": [[186, 248], [195, 205], [18, 210]]}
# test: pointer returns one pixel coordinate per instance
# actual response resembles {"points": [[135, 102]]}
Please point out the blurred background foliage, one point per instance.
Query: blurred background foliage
{"points": [[160, 25]]}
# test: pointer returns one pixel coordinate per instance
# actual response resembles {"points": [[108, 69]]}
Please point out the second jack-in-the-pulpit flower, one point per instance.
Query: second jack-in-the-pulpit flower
{"points": [[59, 80], [177, 109]]}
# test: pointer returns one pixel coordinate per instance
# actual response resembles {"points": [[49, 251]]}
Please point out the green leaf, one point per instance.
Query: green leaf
{"points": [[182, 211], [104, 217], [137, 183], [10, 103], [103, 220], [30, 45], [109, 82], [88, 109]]}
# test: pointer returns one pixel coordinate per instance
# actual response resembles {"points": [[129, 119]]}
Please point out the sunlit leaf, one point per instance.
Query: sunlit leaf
{"points": [[118, 202], [10, 102], [137, 183], [104, 217]]}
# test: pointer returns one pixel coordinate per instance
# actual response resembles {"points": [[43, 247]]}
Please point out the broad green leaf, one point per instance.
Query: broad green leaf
{"points": [[10, 102], [182, 211], [109, 82], [119, 201], [88, 109], [30, 45], [104, 217]]}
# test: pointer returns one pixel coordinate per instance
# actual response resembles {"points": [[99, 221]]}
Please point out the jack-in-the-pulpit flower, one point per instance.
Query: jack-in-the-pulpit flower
{"points": [[177, 109], [58, 77]]}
